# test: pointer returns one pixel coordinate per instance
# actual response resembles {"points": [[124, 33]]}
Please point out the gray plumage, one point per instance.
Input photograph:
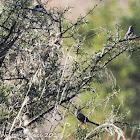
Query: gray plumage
{"points": [[130, 32], [37, 9]]}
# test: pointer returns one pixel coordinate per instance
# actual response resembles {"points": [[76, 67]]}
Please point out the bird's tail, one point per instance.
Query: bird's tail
{"points": [[94, 123]]}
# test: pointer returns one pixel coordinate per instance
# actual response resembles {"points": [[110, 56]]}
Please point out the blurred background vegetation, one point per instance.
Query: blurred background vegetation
{"points": [[123, 72]]}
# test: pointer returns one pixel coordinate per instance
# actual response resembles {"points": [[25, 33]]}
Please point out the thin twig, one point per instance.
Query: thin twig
{"points": [[99, 104]]}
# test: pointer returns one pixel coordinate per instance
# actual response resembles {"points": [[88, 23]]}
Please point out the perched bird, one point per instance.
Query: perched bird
{"points": [[84, 119], [130, 32], [37, 9]]}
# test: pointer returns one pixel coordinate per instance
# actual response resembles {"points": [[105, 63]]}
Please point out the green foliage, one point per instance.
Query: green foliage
{"points": [[80, 133], [37, 77], [124, 69]]}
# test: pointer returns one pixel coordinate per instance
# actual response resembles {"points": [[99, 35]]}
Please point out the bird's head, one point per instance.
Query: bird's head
{"points": [[131, 28], [37, 9], [38, 6]]}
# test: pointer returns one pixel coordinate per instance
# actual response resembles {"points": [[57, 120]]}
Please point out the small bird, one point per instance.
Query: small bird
{"points": [[84, 119], [37, 9], [130, 32]]}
